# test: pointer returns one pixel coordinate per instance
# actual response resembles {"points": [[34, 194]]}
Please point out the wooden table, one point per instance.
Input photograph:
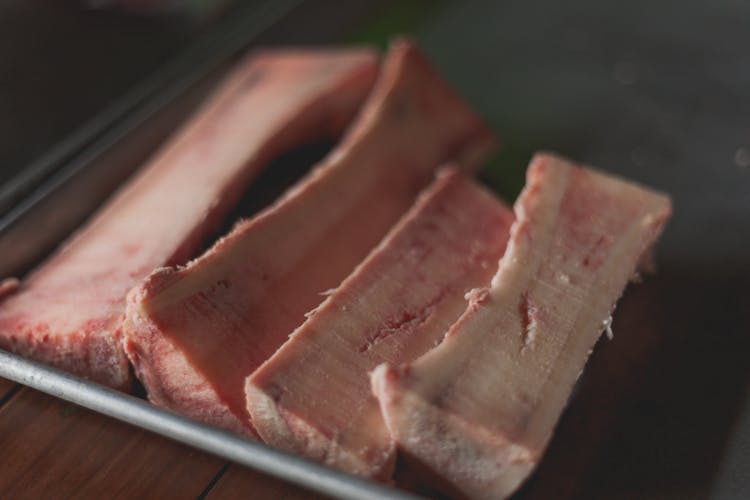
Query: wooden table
{"points": [[54, 449]]}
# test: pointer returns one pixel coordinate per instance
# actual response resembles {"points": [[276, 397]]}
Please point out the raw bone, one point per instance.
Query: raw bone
{"points": [[479, 409], [313, 396], [69, 311], [194, 334]]}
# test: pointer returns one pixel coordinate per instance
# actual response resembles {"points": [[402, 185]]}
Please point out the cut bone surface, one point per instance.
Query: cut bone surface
{"points": [[313, 396], [69, 311], [195, 333], [479, 409]]}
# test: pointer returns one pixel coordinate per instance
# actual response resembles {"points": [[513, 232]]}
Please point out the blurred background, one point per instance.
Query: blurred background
{"points": [[658, 91]]}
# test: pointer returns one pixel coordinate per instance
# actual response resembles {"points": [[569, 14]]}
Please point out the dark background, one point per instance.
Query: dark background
{"points": [[657, 91]]}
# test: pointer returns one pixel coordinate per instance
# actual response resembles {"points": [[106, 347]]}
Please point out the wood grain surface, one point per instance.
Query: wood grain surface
{"points": [[53, 449], [5, 388], [239, 482]]}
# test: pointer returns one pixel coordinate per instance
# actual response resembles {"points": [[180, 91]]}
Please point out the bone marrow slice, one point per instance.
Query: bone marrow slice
{"points": [[479, 409], [69, 311], [312, 397], [218, 318]]}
